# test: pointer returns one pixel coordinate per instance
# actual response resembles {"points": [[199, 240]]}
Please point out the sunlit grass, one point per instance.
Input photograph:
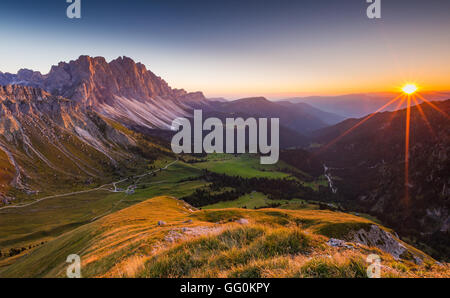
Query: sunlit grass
{"points": [[274, 243]]}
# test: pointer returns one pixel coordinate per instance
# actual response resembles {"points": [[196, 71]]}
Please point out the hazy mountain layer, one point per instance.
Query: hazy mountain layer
{"points": [[295, 117], [358, 105]]}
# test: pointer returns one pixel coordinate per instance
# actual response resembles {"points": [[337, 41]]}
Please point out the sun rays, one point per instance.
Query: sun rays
{"points": [[358, 124], [407, 131], [411, 96]]}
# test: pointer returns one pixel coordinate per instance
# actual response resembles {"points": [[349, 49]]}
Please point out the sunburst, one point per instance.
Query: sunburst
{"points": [[409, 94], [409, 88]]}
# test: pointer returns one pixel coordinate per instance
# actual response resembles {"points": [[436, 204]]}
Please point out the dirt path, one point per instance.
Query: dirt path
{"points": [[88, 190]]}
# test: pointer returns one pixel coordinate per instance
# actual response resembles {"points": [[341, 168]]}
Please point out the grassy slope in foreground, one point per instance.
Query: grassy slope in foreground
{"points": [[211, 243]]}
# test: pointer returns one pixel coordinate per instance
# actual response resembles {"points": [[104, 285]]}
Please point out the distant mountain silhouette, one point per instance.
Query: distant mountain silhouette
{"points": [[358, 105], [301, 118]]}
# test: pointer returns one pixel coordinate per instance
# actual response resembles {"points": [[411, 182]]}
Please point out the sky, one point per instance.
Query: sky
{"points": [[238, 48]]}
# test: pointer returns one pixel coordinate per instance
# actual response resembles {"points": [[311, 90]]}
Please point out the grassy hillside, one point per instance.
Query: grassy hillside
{"points": [[44, 220], [117, 233], [215, 243], [23, 229]]}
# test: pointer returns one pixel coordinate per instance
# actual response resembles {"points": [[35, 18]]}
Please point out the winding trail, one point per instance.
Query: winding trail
{"points": [[90, 190]]}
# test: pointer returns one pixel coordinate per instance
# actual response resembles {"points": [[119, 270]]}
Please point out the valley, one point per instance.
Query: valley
{"points": [[41, 228], [23, 225], [194, 145], [86, 167]]}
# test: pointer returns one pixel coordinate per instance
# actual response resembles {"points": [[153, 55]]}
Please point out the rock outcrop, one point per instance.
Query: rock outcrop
{"points": [[378, 237]]}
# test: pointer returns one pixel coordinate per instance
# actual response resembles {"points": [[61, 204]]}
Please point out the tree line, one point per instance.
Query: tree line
{"points": [[275, 189]]}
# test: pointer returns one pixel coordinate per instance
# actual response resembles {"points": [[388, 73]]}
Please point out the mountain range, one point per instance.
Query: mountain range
{"points": [[301, 117], [126, 91], [89, 121], [75, 121], [121, 89]]}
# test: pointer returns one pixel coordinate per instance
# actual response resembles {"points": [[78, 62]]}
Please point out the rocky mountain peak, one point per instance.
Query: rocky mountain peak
{"points": [[93, 81], [120, 89]]}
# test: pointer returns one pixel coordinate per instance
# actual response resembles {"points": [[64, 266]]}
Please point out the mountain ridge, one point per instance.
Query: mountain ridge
{"points": [[126, 91], [121, 89], [296, 118], [368, 166]]}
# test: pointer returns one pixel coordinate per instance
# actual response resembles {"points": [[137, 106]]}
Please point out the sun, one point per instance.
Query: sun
{"points": [[409, 88]]}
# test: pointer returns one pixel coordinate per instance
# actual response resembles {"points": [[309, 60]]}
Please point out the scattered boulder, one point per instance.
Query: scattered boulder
{"points": [[180, 233], [242, 221], [338, 243], [173, 236]]}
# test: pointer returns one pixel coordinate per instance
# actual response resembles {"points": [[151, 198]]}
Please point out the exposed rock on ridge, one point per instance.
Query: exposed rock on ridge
{"points": [[121, 89]]}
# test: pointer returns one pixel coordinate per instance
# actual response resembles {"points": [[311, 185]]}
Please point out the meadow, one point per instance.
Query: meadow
{"points": [[255, 200], [27, 228], [244, 165]]}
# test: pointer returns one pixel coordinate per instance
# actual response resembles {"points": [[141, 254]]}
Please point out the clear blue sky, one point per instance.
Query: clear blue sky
{"points": [[241, 47]]}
